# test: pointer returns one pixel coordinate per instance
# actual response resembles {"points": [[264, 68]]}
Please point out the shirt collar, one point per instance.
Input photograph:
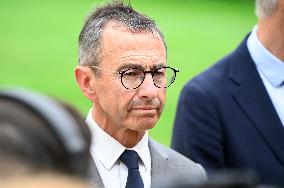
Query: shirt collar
{"points": [[108, 150], [271, 66]]}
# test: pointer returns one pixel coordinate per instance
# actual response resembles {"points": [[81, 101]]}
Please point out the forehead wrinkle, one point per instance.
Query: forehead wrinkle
{"points": [[140, 58], [136, 55]]}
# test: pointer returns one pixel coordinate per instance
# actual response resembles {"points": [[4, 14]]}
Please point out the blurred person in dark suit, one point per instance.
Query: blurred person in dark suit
{"points": [[232, 115], [123, 70], [40, 136]]}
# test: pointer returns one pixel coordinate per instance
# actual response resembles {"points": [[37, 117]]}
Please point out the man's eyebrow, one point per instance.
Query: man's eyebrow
{"points": [[158, 66], [129, 66], [134, 65]]}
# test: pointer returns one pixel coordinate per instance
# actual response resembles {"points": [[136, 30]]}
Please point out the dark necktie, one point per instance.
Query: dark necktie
{"points": [[130, 159]]}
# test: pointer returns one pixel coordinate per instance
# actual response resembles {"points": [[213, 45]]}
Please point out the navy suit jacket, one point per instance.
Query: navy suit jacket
{"points": [[225, 119]]}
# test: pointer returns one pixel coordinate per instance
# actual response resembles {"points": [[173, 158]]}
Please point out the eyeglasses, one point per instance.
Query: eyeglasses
{"points": [[132, 78]]}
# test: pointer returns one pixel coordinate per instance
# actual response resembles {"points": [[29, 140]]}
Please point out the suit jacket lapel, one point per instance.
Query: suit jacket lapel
{"points": [[254, 100], [158, 161], [94, 178]]}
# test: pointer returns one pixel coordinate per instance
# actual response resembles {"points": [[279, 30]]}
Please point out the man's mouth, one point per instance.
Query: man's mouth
{"points": [[145, 110]]}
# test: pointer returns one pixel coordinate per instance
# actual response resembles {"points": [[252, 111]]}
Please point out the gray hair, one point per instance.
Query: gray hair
{"points": [[90, 44], [265, 8]]}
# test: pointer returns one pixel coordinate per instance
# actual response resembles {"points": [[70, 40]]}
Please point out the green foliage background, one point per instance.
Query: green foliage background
{"points": [[38, 43]]}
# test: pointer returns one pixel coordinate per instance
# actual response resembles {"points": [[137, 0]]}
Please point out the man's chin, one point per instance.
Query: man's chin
{"points": [[146, 123]]}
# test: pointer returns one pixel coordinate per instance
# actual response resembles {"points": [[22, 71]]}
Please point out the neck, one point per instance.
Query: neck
{"points": [[271, 33], [127, 137]]}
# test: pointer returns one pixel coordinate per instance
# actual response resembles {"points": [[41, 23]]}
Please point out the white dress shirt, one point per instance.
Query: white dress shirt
{"points": [[271, 71], [106, 151]]}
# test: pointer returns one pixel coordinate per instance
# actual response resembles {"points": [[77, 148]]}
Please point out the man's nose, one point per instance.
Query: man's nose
{"points": [[148, 88]]}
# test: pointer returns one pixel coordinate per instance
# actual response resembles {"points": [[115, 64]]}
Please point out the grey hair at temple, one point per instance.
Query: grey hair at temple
{"points": [[90, 45], [265, 8]]}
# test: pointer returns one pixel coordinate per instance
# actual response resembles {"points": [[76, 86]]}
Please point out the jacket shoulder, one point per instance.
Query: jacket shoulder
{"points": [[177, 162], [170, 168]]}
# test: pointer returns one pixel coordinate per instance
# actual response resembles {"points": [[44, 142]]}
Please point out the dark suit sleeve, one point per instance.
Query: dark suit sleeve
{"points": [[197, 130]]}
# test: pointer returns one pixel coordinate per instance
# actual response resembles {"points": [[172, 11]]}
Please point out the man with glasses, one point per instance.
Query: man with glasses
{"points": [[122, 70]]}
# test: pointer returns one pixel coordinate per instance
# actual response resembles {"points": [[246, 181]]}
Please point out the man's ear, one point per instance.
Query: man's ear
{"points": [[85, 80]]}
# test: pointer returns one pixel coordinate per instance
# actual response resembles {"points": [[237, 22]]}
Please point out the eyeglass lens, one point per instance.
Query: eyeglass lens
{"points": [[134, 77]]}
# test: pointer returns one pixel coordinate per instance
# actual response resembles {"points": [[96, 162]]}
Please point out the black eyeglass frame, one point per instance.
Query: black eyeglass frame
{"points": [[152, 72]]}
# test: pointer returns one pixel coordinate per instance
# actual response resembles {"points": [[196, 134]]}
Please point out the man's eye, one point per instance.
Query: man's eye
{"points": [[131, 73], [159, 73]]}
